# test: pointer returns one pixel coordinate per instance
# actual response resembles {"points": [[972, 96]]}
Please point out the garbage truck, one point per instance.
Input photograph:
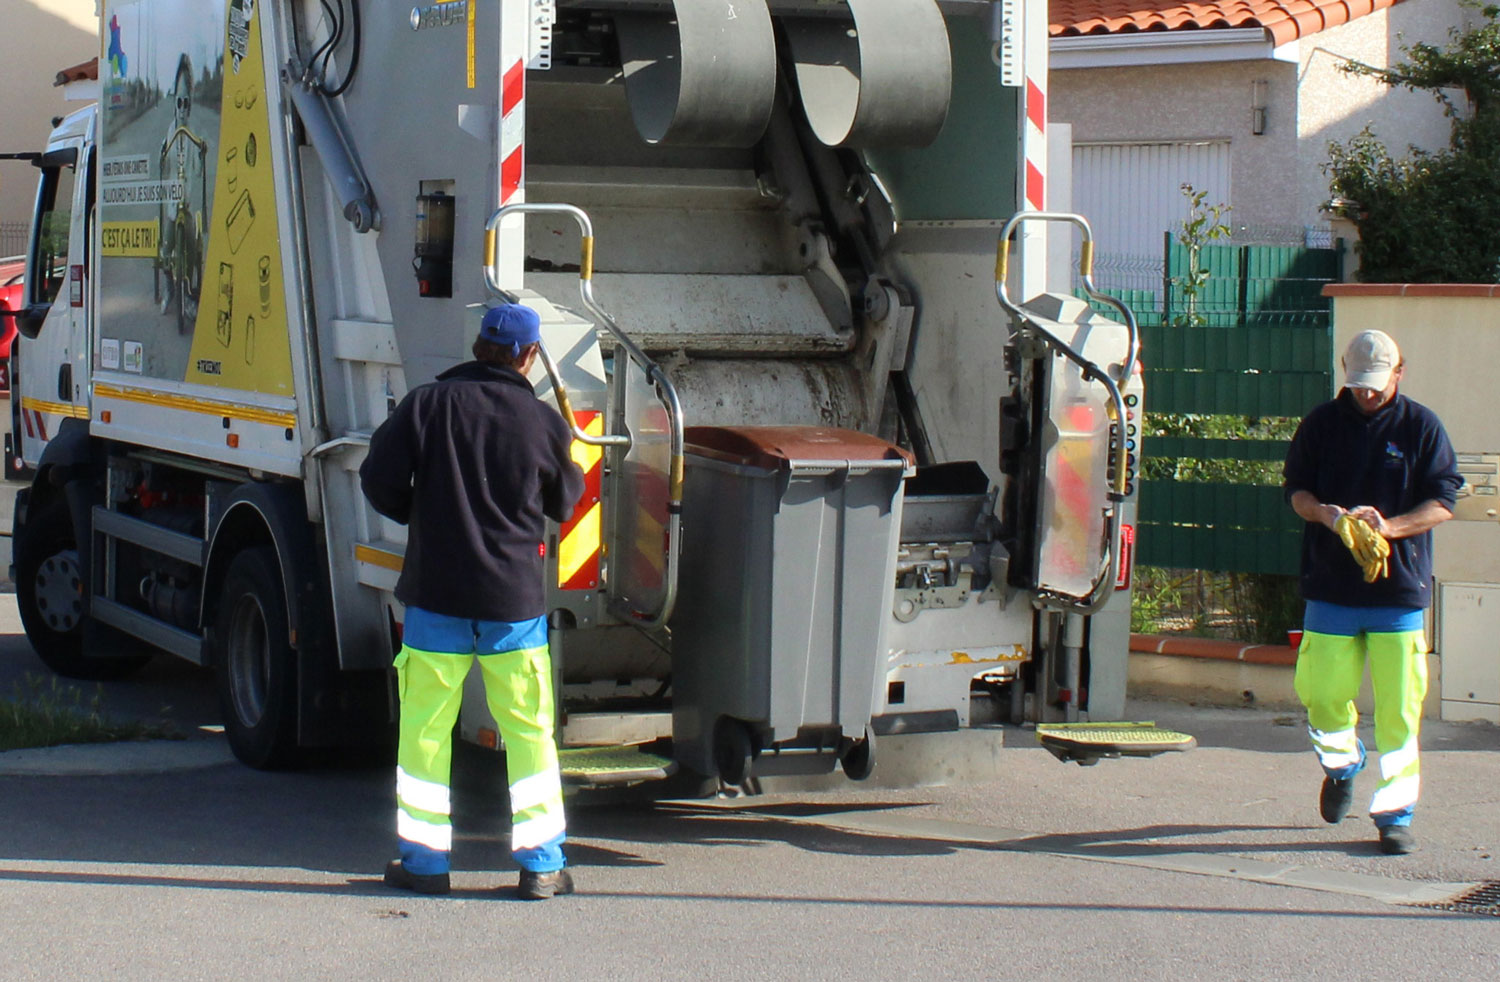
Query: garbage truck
{"points": [[851, 469]]}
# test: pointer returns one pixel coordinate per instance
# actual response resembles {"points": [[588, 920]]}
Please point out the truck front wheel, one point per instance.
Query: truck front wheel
{"points": [[255, 663], [52, 598]]}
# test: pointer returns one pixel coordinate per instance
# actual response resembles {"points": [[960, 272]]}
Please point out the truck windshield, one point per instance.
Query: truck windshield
{"points": [[49, 256]]}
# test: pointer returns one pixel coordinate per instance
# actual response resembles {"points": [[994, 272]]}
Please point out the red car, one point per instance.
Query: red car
{"points": [[12, 272]]}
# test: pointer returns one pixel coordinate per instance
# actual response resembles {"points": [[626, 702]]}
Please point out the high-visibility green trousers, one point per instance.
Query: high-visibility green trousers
{"points": [[1330, 668], [517, 669]]}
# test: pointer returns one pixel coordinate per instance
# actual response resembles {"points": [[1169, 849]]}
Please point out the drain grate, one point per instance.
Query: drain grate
{"points": [[1483, 899]]}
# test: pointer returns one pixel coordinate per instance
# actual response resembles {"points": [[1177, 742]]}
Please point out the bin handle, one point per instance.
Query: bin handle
{"points": [[665, 392]]}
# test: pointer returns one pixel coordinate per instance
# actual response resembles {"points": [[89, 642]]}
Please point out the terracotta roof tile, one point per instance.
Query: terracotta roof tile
{"points": [[87, 71], [1285, 20]]}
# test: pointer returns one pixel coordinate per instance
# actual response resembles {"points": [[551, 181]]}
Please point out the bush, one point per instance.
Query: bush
{"points": [[1430, 217]]}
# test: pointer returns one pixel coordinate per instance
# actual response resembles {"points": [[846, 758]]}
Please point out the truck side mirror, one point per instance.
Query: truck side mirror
{"points": [[29, 319]]}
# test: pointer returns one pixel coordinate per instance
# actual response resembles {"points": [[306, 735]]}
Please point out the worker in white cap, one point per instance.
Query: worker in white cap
{"points": [[1371, 472]]}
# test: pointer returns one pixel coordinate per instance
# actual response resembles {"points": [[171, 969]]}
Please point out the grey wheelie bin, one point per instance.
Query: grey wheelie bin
{"points": [[787, 580]]}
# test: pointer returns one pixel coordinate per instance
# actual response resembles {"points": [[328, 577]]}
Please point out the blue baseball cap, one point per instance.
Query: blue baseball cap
{"points": [[511, 324]]}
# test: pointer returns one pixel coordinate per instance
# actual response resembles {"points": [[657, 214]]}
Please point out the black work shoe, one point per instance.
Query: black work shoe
{"points": [[399, 877], [1334, 802], [544, 886], [1397, 840]]}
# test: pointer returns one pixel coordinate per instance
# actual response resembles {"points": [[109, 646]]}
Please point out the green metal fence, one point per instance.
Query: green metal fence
{"points": [[1261, 347]]}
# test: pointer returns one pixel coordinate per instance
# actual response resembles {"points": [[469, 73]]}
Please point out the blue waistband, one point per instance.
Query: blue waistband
{"points": [[1327, 618], [461, 635]]}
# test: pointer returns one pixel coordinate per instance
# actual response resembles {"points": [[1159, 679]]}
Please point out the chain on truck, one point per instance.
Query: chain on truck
{"points": [[841, 484]]}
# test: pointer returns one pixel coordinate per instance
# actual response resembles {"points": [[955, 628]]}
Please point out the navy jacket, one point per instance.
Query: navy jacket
{"points": [[1394, 460], [472, 462]]}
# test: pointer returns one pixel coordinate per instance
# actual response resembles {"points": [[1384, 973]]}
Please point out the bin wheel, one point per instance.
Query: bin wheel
{"points": [[734, 751], [858, 761]]}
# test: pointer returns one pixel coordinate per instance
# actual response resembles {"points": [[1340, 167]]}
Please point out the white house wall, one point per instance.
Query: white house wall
{"points": [[38, 38], [1276, 178], [1164, 104], [1337, 106], [1132, 224]]}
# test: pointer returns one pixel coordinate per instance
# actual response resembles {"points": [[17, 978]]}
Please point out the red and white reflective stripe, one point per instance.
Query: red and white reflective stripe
{"points": [[512, 131], [36, 424], [1036, 142], [1034, 131]]}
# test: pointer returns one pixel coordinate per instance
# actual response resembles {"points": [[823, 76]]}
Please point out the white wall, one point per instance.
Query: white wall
{"points": [[38, 38], [1336, 106], [1193, 102], [1276, 177]]}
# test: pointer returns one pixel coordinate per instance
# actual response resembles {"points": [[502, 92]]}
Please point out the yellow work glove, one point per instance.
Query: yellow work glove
{"points": [[1370, 548]]}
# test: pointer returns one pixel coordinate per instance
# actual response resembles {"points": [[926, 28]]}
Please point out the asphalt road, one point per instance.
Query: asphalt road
{"points": [[1210, 864]]}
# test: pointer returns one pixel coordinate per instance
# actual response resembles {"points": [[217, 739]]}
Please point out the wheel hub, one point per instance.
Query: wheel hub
{"points": [[59, 591], [249, 657]]}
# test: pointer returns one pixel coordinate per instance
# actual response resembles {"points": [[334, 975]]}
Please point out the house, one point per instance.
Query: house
{"points": [[1238, 98], [37, 37]]}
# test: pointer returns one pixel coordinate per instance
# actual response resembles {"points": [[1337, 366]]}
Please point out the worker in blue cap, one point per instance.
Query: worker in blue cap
{"points": [[473, 464]]}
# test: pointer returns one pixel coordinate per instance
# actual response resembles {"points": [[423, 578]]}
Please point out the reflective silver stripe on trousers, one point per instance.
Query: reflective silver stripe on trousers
{"points": [[429, 796], [535, 831], [429, 834]]}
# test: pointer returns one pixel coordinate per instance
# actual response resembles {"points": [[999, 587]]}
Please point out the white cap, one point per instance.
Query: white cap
{"points": [[1369, 361]]}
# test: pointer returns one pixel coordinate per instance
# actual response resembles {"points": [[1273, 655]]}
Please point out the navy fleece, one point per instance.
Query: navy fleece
{"points": [[1394, 460], [472, 462]]}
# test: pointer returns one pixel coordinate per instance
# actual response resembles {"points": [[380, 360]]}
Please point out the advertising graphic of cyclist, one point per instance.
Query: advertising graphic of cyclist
{"points": [[183, 162]]}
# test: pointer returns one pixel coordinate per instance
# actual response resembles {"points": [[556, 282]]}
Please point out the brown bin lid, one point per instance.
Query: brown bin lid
{"points": [[773, 446]]}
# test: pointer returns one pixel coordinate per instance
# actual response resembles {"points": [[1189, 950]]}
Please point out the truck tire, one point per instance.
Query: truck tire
{"points": [[255, 664], [51, 598]]}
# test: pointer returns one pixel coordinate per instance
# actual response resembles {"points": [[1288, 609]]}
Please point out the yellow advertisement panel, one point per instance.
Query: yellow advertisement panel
{"points": [[240, 338]]}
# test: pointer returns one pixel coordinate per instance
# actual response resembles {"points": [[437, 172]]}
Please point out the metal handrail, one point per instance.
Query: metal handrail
{"points": [[654, 374], [1099, 592]]}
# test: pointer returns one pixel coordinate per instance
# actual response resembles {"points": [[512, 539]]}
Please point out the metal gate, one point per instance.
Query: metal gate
{"points": [[1262, 347]]}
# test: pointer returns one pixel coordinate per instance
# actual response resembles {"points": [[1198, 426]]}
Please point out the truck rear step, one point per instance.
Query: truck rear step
{"points": [[594, 767], [1086, 743]]}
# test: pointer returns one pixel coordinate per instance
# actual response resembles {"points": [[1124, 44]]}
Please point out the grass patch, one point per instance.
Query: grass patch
{"points": [[45, 713]]}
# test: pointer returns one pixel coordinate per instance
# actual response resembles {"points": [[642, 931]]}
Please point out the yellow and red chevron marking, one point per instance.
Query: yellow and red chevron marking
{"points": [[578, 540]]}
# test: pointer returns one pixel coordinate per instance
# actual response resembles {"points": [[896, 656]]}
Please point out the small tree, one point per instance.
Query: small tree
{"points": [[1204, 224], [1431, 217]]}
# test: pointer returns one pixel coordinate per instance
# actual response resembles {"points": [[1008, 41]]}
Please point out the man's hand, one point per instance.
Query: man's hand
{"points": [[1329, 515], [1372, 517], [1310, 509], [1421, 518]]}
